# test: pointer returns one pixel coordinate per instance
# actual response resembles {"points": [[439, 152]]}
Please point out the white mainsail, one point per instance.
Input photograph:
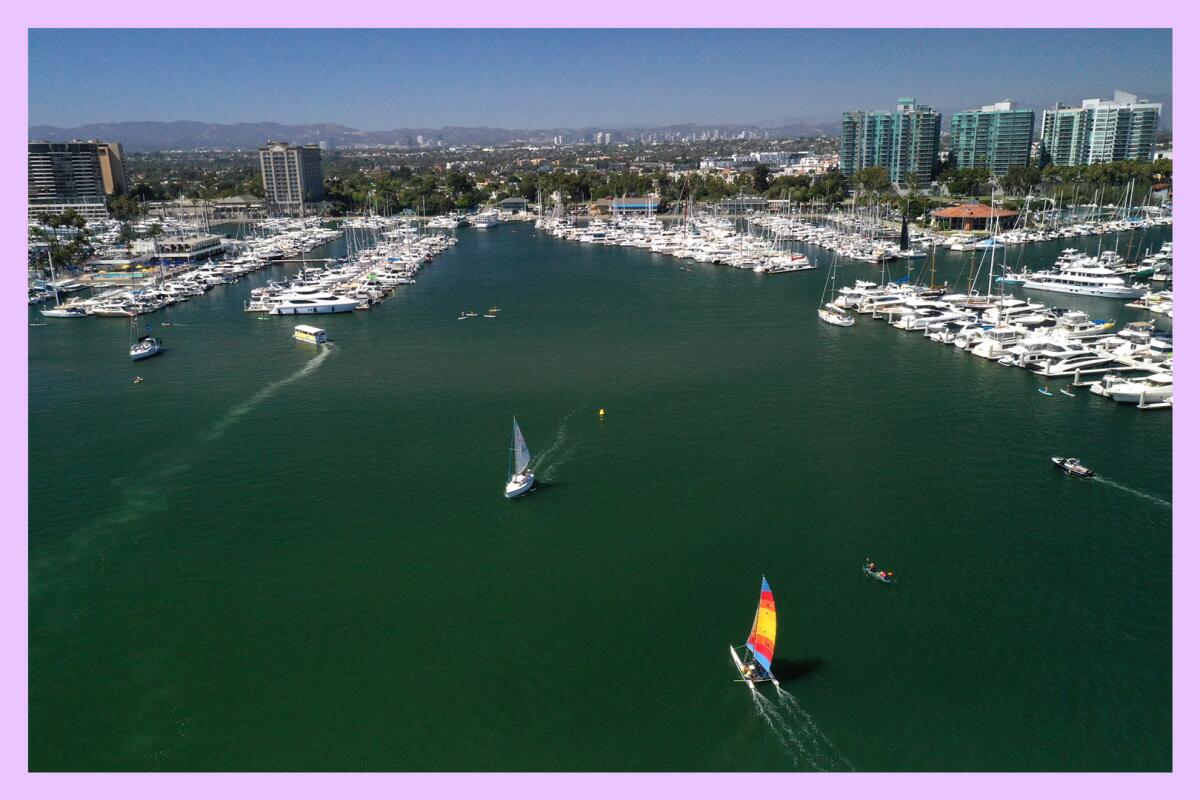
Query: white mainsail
{"points": [[520, 450]]}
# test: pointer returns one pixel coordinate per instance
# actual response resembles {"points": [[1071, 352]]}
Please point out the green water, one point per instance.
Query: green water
{"points": [[271, 557]]}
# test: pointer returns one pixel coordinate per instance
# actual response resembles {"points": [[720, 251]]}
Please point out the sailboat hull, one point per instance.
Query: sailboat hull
{"points": [[741, 668], [519, 485]]}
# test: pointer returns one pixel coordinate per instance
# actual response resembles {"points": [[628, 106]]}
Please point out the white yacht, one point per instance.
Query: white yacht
{"points": [[997, 342], [1157, 388], [1093, 281], [312, 301], [1066, 364], [485, 219], [1077, 324]]}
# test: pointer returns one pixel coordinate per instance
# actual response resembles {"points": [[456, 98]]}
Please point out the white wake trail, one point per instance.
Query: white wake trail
{"points": [[789, 702], [555, 455], [1124, 488], [793, 744], [239, 411]]}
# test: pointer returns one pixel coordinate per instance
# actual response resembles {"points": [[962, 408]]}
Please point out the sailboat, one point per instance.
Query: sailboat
{"points": [[521, 480], [144, 346], [60, 311], [831, 312], [754, 666]]}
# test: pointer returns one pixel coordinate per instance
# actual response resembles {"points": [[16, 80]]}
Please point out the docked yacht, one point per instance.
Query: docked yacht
{"points": [[1156, 388], [312, 301], [1068, 363], [67, 311], [1077, 325], [1079, 278], [996, 343], [485, 219]]}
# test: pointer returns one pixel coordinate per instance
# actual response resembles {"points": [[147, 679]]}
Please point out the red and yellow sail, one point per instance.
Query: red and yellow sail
{"points": [[762, 635]]}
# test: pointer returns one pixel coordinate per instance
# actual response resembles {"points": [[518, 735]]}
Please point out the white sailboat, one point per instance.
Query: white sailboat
{"points": [[60, 311], [831, 312], [142, 346], [521, 479]]}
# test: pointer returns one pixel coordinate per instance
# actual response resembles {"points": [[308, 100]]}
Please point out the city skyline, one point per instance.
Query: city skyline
{"points": [[544, 79]]}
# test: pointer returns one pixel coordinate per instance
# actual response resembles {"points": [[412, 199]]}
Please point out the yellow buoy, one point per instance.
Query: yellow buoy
{"points": [[602, 412]]}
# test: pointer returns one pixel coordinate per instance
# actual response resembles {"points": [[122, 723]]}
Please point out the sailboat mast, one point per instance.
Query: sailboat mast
{"points": [[53, 280]]}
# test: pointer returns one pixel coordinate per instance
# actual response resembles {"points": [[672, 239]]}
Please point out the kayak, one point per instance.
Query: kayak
{"points": [[880, 575], [1042, 390], [1064, 391]]}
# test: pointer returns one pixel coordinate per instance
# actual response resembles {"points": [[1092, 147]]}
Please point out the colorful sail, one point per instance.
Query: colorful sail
{"points": [[520, 450], [762, 635]]}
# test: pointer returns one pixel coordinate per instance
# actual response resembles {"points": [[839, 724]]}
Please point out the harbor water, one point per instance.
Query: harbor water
{"points": [[271, 555]]}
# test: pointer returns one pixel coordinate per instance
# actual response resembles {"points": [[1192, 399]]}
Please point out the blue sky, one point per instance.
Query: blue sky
{"points": [[380, 79]]}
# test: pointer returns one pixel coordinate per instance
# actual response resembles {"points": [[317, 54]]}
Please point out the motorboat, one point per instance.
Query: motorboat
{"points": [[1156, 388], [1092, 281], [1071, 466], [1068, 364], [312, 301]]}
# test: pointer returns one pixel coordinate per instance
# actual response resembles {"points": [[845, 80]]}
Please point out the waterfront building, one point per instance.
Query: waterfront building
{"points": [[292, 177], [179, 250], [974, 216], [904, 141], [514, 205], [1098, 131], [998, 138], [634, 205]]}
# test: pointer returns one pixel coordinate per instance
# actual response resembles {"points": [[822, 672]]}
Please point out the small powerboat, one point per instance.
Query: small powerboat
{"points": [[1071, 466]]}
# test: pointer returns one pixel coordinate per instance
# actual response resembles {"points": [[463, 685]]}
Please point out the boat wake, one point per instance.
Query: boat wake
{"points": [[797, 733], [1124, 488], [549, 460], [237, 412], [788, 702]]}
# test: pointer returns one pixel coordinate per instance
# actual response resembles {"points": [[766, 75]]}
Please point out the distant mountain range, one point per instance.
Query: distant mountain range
{"points": [[190, 135]]}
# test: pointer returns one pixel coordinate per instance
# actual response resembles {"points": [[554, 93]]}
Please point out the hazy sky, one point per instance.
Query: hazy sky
{"points": [[380, 79]]}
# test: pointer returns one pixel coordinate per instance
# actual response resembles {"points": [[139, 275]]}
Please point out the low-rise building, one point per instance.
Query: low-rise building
{"points": [[513, 205], [179, 250], [973, 216]]}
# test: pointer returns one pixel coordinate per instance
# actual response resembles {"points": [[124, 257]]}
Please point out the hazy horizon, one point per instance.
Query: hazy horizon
{"points": [[542, 79]]}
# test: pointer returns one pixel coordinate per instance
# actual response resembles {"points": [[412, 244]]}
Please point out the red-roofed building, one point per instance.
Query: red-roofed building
{"points": [[974, 216]]}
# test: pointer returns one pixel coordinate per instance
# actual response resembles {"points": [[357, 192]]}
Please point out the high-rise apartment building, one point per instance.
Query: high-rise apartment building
{"points": [[292, 177], [904, 141], [996, 137], [1098, 131]]}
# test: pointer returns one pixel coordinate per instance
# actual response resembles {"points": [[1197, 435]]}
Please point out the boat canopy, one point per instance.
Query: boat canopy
{"points": [[762, 635]]}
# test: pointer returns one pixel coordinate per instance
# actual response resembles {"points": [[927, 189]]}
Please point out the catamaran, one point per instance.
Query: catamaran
{"points": [[755, 665], [521, 480]]}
